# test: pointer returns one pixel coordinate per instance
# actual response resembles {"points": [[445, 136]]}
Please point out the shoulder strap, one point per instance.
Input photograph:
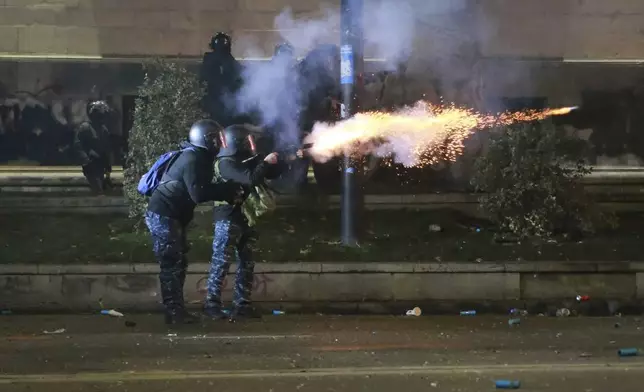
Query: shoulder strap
{"points": [[167, 167], [217, 172]]}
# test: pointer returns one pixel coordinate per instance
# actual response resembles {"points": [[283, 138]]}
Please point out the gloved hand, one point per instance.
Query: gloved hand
{"points": [[272, 158], [233, 192]]}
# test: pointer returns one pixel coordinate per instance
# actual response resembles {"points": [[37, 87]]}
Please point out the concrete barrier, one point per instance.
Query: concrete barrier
{"points": [[374, 287], [465, 202]]}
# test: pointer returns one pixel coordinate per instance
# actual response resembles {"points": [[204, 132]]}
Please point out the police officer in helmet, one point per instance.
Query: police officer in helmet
{"points": [[237, 163], [284, 50], [222, 74], [187, 181], [92, 143]]}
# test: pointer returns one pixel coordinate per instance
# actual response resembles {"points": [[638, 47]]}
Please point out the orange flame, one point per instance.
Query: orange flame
{"points": [[420, 135]]}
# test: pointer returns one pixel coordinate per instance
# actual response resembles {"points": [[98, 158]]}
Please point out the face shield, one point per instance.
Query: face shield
{"points": [[252, 146], [215, 141]]}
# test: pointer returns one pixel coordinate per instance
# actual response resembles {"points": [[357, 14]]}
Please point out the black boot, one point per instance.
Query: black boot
{"points": [[180, 316], [214, 313]]}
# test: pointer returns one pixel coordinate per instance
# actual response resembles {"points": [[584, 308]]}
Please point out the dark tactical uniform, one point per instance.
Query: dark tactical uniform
{"points": [[186, 183], [93, 145], [170, 246], [284, 128], [319, 85], [222, 74], [232, 235]]}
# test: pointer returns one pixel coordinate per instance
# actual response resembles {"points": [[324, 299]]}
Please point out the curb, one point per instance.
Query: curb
{"points": [[340, 267], [336, 285]]}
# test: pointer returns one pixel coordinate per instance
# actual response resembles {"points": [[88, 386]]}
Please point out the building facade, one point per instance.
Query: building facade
{"points": [[488, 54]]}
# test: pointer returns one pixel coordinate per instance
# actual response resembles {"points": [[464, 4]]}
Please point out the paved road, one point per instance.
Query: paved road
{"points": [[323, 353]]}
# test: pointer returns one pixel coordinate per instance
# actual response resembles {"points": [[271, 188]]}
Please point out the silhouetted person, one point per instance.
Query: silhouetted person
{"points": [[319, 83], [222, 74], [93, 145]]}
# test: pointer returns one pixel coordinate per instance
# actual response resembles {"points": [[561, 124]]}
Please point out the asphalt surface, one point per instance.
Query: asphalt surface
{"points": [[318, 353]]}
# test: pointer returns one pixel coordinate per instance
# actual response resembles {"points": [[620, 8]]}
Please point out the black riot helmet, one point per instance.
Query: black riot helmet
{"points": [[283, 49], [237, 140], [97, 111], [206, 134], [221, 43]]}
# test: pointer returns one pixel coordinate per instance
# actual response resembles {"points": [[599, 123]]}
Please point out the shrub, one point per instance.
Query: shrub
{"points": [[531, 178], [169, 101]]}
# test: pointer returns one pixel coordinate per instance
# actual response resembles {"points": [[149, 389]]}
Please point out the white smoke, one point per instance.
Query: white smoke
{"points": [[390, 29]]}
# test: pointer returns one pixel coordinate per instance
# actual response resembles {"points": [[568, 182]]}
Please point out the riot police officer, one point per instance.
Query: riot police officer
{"points": [[186, 182], [93, 144], [239, 164], [222, 74]]}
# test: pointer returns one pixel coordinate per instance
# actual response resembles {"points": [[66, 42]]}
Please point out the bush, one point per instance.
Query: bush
{"points": [[169, 101], [531, 175]]}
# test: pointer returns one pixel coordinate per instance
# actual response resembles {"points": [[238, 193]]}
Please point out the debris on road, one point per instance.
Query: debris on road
{"points": [[56, 332], [435, 228], [112, 313], [414, 312], [507, 384], [278, 313], [628, 352], [468, 313], [563, 312], [585, 355], [514, 321]]}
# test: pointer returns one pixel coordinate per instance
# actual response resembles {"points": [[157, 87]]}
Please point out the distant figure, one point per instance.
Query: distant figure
{"points": [[92, 143], [319, 83], [284, 50], [222, 74]]}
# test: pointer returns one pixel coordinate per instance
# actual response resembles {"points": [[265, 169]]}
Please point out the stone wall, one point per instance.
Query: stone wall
{"points": [[575, 29], [464, 51], [157, 27], [132, 27], [532, 28], [539, 286], [449, 40]]}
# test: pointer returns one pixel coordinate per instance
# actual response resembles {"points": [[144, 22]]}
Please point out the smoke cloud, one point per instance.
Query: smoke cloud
{"points": [[272, 90]]}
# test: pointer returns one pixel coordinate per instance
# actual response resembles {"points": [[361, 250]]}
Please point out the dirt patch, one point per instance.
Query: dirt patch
{"points": [[297, 235]]}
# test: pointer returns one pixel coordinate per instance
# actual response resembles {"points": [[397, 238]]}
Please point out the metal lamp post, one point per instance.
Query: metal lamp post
{"points": [[351, 79]]}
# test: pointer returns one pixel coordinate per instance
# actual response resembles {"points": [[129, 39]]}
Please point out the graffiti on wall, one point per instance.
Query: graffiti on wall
{"points": [[261, 283], [15, 285]]}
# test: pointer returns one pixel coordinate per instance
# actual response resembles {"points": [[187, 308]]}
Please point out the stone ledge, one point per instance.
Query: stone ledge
{"points": [[341, 268]]}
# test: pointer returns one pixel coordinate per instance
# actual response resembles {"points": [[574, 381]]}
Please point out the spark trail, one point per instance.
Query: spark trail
{"points": [[421, 135]]}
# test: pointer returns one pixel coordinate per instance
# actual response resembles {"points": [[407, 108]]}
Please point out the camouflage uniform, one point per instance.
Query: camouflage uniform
{"points": [[170, 247], [232, 240]]}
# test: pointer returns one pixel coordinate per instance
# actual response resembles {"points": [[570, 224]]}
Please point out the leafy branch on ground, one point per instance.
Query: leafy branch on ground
{"points": [[169, 101], [531, 175]]}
